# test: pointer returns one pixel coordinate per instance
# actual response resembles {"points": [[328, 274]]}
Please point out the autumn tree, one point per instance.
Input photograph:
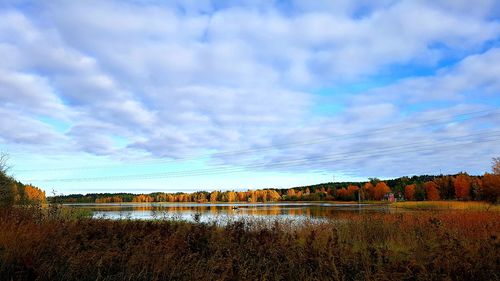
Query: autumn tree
{"points": [[380, 190], [242, 196], [462, 187], [161, 197], [272, 195], [367, 191], [491, 187], [348, 194], [252, 197], [261, 195], [330, 191], [298, 194], [352, 190], [341, 194], [231, 196], [142, 198], [410, 192], [431, 191], [214, 196], [110, 199]]}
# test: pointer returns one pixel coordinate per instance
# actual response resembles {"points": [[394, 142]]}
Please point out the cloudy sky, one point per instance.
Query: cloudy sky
{"points": [[141, 96]]}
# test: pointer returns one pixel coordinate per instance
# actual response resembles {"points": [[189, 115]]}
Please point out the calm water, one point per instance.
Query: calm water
{"points": [[226, 211]]}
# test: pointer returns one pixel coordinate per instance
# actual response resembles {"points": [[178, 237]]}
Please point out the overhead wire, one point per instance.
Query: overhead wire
{"points": [[289, 163], [483, 113]]}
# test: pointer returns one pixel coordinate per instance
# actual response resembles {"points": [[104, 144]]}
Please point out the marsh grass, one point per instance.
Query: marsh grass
{"points": [[447, 205], [420, 245]]}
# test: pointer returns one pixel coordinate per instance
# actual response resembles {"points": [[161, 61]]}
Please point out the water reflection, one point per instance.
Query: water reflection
{"points": [[226, 211]]}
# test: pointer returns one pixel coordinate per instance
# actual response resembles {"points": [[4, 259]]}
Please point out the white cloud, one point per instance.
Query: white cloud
{"points": [[474, 79], [17, 129], [178, 79]]}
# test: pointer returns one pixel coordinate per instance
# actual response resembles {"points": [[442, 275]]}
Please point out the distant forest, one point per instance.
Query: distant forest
{"points": [[426, 187]]}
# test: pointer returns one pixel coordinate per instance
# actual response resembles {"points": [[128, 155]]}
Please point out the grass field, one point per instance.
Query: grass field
{"points": [[418, 245]]}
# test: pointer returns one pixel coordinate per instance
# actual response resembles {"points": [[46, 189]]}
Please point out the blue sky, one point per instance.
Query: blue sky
{"points": [[141, 96]]}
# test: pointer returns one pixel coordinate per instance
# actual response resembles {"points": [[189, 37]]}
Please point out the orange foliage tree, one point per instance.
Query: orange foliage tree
{"points": [[431, 191], [252, 196], [213, 196], [367, 190], [231, 196], [410, 192], [111, 199], [272, 195], [142, 198], [242, 196], [462, 187], [34, 194], [490, 188], [380, 190], [347, 194]]}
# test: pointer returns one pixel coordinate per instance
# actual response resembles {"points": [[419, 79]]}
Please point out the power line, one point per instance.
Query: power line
{"points": [[485, 113], [299, 162], [389, 149], [296, 162]]}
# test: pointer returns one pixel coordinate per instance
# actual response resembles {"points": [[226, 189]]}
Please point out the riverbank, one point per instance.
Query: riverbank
{"points": [[420, 245]]}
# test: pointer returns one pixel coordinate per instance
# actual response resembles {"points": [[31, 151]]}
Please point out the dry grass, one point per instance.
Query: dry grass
{"points": [[447, 205], [449, 245]]}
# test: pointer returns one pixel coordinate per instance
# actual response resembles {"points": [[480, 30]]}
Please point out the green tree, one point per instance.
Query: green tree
{"points": [[419, 193]]}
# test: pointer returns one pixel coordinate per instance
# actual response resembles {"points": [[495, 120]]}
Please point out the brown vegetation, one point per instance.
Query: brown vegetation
{"points": [[460, 245]]}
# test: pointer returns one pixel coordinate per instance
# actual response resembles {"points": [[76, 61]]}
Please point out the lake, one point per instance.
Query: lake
{"points": [[220, 212]]}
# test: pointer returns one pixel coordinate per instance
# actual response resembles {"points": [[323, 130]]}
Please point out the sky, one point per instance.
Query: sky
{"points": [[144, 96]]}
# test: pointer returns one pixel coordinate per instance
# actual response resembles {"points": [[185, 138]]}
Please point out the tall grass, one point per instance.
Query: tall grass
{"points": [[447, 205], [458, 245]]}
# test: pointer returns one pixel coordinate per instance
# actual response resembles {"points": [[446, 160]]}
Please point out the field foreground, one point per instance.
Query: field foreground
{"points": [[416, 245]]}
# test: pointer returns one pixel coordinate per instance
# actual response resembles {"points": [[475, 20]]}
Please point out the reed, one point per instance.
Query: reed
{"points": [[447, 205], [420, 245]]}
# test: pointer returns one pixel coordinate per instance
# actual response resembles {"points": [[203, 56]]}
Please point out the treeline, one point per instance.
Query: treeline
{"points": [[13, 192], [265, 195], [426, 187]]}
